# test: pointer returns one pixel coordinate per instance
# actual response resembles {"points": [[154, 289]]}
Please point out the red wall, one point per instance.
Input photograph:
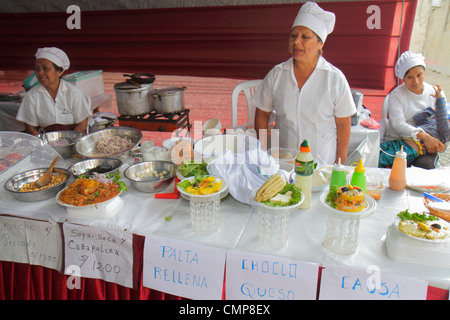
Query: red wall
{"points": [[241, 42]]}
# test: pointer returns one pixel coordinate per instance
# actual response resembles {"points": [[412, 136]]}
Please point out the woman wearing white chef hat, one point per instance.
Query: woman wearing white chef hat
{"points": [[311, 98], [405, 104], [54, 104]]}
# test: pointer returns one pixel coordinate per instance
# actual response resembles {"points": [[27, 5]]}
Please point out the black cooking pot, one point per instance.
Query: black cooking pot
{"points": [[141, 78]]}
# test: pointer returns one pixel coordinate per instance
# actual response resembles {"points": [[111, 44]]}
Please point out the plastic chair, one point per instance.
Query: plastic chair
{"points": [[249, 88]]}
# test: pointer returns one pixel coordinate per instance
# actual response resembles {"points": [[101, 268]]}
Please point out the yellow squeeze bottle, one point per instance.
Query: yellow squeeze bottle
{"points": [[359, 176]]}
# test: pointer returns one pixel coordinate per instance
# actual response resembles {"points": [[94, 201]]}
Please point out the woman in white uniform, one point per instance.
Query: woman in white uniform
{"points": [[54, 104], [414, 95], [311, 98]]}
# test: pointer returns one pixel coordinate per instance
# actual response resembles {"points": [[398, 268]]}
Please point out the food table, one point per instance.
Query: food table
{"points": [[147, 221]]}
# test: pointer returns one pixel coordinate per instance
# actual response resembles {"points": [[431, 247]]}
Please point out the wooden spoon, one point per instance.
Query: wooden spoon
{"points": [[46, 178]]}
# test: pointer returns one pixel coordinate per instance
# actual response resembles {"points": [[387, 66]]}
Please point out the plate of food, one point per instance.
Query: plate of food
{"points": [[348, 201], [422, 226], [277, 194], [202, 188], [97, 197]]}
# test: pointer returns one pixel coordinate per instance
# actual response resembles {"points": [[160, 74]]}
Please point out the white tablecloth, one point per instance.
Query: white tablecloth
{"points": [[364, 144], [145, 215]]}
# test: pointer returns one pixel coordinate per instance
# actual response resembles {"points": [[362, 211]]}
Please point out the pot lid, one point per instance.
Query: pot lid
{"points": [[168, 91], [131, 86]]}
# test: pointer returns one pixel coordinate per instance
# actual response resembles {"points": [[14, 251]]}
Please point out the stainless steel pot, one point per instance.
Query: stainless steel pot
{"points": [[133, 100], [168, 99]]}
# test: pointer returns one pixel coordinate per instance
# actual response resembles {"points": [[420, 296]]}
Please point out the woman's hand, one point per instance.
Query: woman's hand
{"points": [[438, 92], [432, 145]]}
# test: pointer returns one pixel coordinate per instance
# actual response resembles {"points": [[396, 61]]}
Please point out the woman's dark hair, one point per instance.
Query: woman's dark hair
{"points": [[60, 69], [411, 68]]}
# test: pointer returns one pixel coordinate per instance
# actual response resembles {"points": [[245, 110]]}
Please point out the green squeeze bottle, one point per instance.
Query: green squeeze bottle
{"points": [[304, 168], [338, 175], [359, 176]]}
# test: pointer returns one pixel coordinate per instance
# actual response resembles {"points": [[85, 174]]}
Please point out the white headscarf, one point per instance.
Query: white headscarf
{"points": [[55, 55], [315, 18], [407, 61]]}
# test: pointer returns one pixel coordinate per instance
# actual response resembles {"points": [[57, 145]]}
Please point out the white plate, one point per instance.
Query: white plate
{"points": [[262, 205], [223, 192], [104, 209], [371, 205], [397, 221]]}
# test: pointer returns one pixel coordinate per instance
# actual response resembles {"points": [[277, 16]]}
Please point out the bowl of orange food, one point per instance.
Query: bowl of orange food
{"points": [[96, 198]]}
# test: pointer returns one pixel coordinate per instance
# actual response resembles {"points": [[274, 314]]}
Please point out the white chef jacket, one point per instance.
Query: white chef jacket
{"points": [[308, 113], [403, 105], [70, 106]]}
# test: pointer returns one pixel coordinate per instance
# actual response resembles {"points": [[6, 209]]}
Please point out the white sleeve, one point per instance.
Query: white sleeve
{"points": [[344, 105], [263, 97], [27, 111]]}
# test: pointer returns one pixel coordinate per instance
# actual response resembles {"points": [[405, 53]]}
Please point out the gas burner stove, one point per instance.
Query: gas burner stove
{"points": [[154, 121]]}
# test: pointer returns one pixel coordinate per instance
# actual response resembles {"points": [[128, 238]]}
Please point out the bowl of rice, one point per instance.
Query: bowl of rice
{"points": [[115, 142], [22, 186]]}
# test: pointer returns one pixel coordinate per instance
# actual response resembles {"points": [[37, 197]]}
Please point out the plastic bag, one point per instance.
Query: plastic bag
{"points": [[244, 172]]}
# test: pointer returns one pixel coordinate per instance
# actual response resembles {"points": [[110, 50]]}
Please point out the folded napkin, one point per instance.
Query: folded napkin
{"points": [[434, 180]]}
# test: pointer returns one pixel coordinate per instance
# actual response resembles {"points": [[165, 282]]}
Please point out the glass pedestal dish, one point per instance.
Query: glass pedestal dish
{"points": [[273, 224], [342, 228]]}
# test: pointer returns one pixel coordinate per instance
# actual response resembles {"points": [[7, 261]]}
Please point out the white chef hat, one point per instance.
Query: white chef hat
{"points": [[55, 55], [407, 61], [315, 18]]}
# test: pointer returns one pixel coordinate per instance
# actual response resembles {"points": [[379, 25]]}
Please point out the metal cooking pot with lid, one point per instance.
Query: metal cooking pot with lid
{"points": [[168, 99], [133, 100]]}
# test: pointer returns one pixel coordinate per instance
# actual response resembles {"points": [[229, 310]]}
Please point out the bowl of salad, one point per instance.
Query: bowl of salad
{"points": [[192, 168], [202, 188]]}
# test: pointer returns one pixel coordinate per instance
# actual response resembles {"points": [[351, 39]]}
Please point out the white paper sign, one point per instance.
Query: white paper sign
{"points": [[252, 276], [339, 282], [99, 254], [183, 268], [30, 241]]}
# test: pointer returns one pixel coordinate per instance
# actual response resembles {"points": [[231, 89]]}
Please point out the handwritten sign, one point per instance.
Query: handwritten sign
{"points": [[339, 282], [182, 268], [252, 276], [99, 254], [30, 241]]}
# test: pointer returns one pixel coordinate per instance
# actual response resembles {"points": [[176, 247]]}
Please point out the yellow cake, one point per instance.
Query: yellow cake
{"points": [[350, 198]]}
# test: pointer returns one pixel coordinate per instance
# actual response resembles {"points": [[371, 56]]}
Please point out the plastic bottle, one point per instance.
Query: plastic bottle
{"points": [[338, 175], [397, 178], [304, 168], [359, 176]]}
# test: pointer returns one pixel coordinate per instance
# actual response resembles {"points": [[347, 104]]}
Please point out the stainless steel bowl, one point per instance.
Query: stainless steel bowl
{"points": [[143, 175], [87, 145], [14, 184], [99, 165], [66, 150]]}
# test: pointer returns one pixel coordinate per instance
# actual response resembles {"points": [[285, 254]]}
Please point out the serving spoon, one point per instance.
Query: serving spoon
{"points": [[46, 178]]}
